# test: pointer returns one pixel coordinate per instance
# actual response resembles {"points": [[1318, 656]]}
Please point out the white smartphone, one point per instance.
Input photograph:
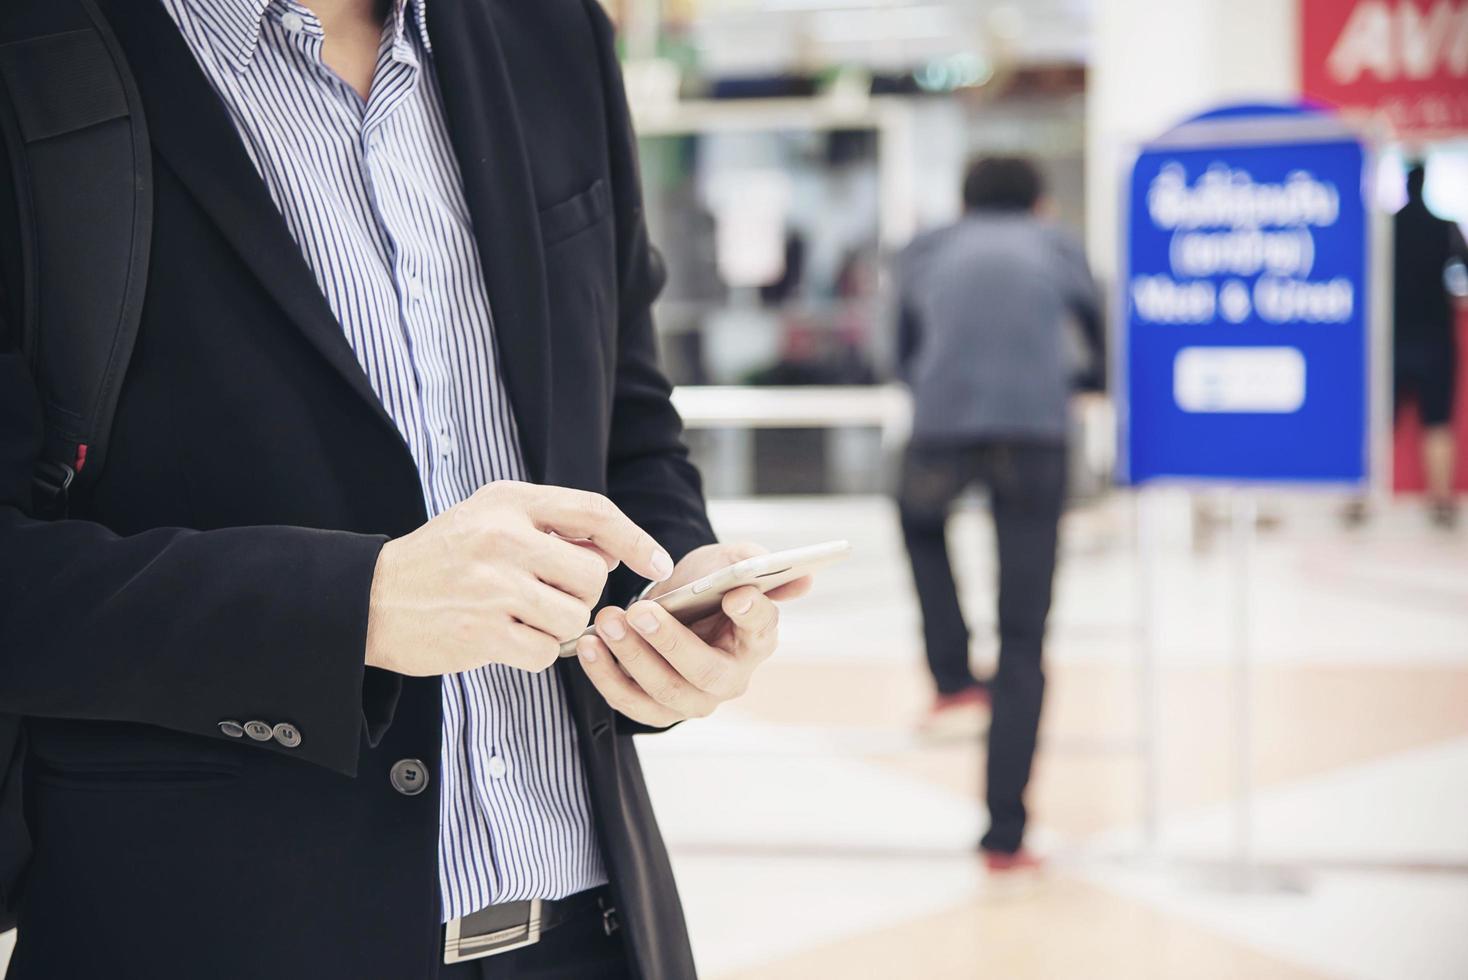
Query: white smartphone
{"points": [[694, 601]]}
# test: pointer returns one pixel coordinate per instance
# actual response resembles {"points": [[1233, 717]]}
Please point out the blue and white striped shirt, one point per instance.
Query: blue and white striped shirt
{"points": [[372, 193]]}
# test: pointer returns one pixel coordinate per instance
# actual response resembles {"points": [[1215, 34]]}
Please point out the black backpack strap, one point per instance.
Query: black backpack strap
{"points": [[15, 840], [79, 151]]}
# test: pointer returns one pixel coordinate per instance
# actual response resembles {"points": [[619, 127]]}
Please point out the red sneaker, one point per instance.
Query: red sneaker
{"points": [[1000, 862], [963, 714]]}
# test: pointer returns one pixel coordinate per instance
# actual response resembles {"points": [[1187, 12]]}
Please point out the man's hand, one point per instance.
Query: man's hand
{"points": [[657, 671], [504, 577]]}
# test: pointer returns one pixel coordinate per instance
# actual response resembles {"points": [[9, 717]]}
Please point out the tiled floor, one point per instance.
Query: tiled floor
{"points": [[816, 839]]}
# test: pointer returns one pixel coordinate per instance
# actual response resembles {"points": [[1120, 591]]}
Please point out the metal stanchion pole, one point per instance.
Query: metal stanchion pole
{"points": [[1244, 517], [1240, 871], [1149, 784]]}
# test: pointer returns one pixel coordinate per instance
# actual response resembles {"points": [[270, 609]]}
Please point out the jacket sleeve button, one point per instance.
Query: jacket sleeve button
{"points": [[232, 728], [259, 731], [287, 734], [409, 776]]}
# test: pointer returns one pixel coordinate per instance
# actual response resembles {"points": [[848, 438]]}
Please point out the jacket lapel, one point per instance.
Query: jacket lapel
{"points": [[484, 126], [192, 132]]}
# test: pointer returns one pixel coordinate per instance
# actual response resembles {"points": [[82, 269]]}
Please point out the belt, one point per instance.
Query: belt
{"points": [[514, 925]]}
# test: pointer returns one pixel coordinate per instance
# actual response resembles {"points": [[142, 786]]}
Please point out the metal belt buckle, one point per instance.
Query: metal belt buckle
{"points": [[489, 932]]}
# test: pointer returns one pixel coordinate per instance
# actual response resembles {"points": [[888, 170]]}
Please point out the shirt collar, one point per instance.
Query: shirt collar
{"points": [[402, 12], [234, 25]]}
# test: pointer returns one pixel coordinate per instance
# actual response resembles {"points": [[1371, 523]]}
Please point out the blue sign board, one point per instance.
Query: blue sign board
{"points": [[1247, 306]]}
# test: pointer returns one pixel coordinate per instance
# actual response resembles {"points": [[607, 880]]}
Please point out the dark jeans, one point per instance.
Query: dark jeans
{"points": [[1026, 483], [578, 949]]}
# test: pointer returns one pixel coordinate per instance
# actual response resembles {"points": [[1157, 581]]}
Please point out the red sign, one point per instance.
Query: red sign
{"points": [[1404, 61]]}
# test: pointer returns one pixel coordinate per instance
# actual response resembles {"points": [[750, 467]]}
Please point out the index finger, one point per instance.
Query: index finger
{"points": [[592, 517], [792, 590]]}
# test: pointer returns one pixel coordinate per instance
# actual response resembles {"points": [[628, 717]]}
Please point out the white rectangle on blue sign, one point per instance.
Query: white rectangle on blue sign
{"points": [[1239, 379], [1246, 314]]}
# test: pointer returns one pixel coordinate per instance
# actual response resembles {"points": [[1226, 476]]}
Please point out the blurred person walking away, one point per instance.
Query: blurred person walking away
{"points": [[1425, 347], [982, 343]]}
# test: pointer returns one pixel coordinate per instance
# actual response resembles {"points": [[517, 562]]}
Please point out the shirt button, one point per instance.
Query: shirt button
{"points": [[293, 22], [409, 776], [498, 768]]}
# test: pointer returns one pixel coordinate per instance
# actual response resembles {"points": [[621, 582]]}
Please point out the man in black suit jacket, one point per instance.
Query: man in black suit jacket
{"points": [[257, 548]]}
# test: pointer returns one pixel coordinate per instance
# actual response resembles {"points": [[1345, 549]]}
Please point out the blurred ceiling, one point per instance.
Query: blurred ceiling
{"points": [[757, 37]]}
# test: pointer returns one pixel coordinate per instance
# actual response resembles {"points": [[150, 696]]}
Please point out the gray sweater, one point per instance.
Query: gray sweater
{"points": [[982, 328]]}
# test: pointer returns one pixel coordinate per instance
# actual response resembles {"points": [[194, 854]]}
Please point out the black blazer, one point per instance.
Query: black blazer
{"points": [[220, 569]]}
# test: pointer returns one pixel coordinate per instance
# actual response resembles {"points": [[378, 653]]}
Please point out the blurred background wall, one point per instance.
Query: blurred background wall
{"points": [[790, 147]]}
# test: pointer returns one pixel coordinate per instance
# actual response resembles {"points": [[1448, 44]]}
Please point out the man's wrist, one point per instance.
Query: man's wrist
{"points": [[376, 654]]}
